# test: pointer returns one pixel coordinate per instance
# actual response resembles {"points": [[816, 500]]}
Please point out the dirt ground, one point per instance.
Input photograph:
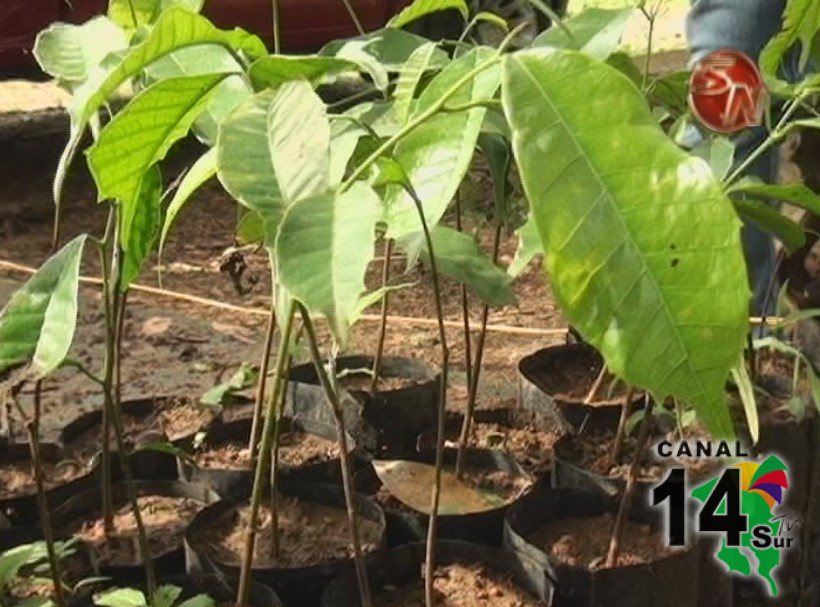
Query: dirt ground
{"points": [[178, 348]]}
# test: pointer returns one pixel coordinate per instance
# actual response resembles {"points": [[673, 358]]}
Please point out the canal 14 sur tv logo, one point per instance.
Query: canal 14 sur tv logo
{"points": [[741, 505]]}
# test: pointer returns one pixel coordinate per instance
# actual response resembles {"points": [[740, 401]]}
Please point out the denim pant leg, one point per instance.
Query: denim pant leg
{"points": [[745, 25]]}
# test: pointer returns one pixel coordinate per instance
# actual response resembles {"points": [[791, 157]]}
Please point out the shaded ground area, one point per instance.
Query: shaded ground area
{"points": [[178, 348]]}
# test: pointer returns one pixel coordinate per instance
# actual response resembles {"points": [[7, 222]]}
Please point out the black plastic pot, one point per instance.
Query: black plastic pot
{"points": [[21, 509], [546, 376], [397, 416], [671, 581], [86, 505], [402, 566], [229, 482], [148, 465], [297, 587], [482, 527], [506, 418]]}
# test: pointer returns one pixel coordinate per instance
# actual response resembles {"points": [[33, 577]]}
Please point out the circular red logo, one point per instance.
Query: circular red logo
{"points": [[726, 91]]}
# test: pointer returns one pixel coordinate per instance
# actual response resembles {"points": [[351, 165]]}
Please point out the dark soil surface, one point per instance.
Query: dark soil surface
{"points": [[175, 347], [309, 534], [165, 519], [16, 477], [180, 417], [138, 430], [461, 585], [296, 449], [584, 542]]}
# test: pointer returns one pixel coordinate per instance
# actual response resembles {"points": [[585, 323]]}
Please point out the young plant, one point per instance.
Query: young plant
{"points": [[36, 330], [17, 563], [165, 596]]}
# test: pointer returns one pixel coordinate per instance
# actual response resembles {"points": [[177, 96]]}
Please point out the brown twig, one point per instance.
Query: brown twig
{"points": [[332, 395], [472, 393], [596, 386], [465, 309], [377, 360], [620, 434], [626, 500]]}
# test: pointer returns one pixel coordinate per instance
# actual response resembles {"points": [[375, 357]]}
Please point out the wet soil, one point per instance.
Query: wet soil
{"points": [[461, 585], [165, 519], [16, 477], [296, 449], [584, 542], [180, 417], [309, 534], [501, 485]]}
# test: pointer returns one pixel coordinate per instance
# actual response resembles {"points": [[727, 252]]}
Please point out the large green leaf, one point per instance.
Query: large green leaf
{"points": [[801, 23], [436, 155], [323, 247], [274, 150], [458, 256], [201, 171], [141, 134], [642, 246], [144, 224], [176, 29], [273, 70], [596, 32], [388, 47], [37, 324], [70, 52], [198, 61], [421, 8]]}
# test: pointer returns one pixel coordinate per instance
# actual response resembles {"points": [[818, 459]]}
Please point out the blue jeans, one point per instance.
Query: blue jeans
{"points": [[745, 25]]}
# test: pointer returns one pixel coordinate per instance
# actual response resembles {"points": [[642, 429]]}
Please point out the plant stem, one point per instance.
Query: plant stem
{"points": [[626, 500], [465, 309], [472, 394], [263, 459], [108, 367], [432, 528], [332, 395], [33, 429], [417, 121], [354, 17], [263, 380], [277, 32], [774, 137], [651, 16], [274, 468], [620, 434], [377, 360]]}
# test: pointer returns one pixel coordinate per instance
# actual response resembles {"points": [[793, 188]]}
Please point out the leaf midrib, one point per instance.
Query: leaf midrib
{"points": [[605, 188]]}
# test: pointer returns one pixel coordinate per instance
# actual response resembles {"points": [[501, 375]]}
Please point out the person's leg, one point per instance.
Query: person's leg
{"points": [[744, 25]]}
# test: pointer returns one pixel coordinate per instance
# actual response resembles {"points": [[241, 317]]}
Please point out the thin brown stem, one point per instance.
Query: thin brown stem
{"points": [[263, 460], [592, 395], [432, 527], [108, 244], [277, 32], [354, 17], [274, 467], [465, 310], [626, 500], [33, 429], [377, 360], [472, 393], [332, 395], [618, 445], [263, 381]]}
